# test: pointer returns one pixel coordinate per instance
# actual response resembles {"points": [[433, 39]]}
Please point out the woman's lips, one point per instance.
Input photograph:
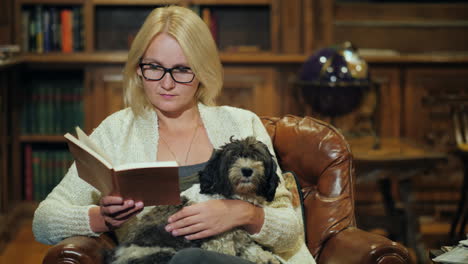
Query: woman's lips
{"points": [[168, 96]]}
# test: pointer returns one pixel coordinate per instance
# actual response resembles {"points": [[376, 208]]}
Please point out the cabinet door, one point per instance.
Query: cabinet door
{"points": [[427, 94], [389, 101], [251, 88], [103, 94]]}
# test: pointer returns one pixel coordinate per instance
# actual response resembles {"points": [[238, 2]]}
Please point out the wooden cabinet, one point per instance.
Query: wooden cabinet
{"points": [[104, 90], [252, 88], [428, 113]]}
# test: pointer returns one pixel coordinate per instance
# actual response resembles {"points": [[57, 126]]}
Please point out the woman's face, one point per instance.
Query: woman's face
{"points": [[167, 95]]}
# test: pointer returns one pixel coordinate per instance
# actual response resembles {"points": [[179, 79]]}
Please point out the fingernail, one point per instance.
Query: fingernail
{"points": [[139, 204], [168, 228], [175, 233], [129, 202]]}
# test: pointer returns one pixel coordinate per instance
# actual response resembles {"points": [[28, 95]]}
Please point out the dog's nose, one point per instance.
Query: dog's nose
{"points": [[247, 172]]}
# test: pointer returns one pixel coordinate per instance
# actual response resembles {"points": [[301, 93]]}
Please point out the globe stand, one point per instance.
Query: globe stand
{"points": [[322, 107]]}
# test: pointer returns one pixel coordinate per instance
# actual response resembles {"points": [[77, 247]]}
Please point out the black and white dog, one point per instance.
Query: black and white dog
{"points": [[242, 169]]}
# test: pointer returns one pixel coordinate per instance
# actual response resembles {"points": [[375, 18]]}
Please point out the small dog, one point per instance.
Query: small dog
{"points": [[242, 169]]}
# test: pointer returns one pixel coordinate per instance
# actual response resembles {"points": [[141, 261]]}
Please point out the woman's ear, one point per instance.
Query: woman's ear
{"points": [[138, 71]]}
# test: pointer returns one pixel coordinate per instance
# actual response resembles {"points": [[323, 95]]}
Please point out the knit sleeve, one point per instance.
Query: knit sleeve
{"points": [[64, 212], [281, 228]]}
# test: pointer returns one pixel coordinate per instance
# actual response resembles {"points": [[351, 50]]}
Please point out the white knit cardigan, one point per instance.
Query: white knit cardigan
{"points": [[126, 139]]}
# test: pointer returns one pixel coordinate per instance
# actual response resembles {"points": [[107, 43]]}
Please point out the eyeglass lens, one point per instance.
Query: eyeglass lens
{"points": [[156, 73]]}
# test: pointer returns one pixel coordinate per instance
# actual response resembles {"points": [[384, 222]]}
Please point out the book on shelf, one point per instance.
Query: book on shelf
{"points": [[154, 183], [44, 168], [48, 28], [211, 21], [66, 18], [39, 32], [28, 173], [52, 107]]}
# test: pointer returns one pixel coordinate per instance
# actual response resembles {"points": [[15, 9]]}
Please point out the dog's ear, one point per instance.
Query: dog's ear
{"points": [[213, 178], [271, 182], [268, 188]]}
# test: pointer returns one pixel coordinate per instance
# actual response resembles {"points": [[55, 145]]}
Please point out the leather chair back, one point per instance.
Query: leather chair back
{"points": [[321, 159]]}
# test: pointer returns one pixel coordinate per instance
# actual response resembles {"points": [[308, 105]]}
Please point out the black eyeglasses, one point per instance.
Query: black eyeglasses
{"points": [[154, 72]]}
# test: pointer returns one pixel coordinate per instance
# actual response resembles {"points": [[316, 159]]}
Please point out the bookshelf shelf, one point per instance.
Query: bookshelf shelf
{"points": [[135, 2], [11, 62], [51, 2], [77, 57], [42, 139], [120, 57], [231, 2]]}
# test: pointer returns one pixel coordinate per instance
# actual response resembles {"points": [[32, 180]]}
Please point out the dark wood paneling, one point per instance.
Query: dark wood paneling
{"points": [[408, 39], [401, 12], [6, 22]]}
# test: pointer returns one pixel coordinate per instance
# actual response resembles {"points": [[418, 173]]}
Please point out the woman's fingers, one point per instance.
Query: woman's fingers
{"points": [[116, 211], [111, 200], [201, 220]]}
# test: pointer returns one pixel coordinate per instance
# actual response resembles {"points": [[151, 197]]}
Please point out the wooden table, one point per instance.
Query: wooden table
{"points": [[392, 165]]}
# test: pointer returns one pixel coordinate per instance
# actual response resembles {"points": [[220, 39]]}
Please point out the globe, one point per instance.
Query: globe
{"points": [[334, 79]]}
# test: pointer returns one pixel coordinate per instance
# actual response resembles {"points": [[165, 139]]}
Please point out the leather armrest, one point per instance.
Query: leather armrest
{"points": [[354, 245], [79, 249]]}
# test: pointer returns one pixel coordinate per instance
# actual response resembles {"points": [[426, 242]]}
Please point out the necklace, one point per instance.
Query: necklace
{"points": [[189, 147]]}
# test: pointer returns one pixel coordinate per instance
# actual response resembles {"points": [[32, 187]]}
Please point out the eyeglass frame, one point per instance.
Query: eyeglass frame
{"points": [[166, 70]]}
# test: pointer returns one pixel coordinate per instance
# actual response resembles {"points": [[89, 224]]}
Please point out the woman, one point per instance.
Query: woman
{"points": [[172, 76]]}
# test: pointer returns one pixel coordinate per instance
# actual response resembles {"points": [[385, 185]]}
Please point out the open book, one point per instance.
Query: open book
{"points": [[154, 183]]}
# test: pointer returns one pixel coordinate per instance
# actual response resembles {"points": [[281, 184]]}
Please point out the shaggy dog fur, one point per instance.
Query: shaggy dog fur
{"points": [[241, 169]]}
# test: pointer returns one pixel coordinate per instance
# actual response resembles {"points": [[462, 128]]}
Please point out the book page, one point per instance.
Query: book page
{"points": [[89, 143], [91, 167]]}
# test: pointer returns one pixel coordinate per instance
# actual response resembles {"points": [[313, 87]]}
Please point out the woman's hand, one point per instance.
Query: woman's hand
{"points": [[214, 217], [113, 212]]}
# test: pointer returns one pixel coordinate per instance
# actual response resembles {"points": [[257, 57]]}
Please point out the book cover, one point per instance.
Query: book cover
{"points": [[28, 172], [154, 183], [25, 21], [39, 29], [36, 175], [47, 31], [66, 29]]}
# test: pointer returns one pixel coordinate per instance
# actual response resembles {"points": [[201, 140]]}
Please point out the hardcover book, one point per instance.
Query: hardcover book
{"points": [[154, 183]]}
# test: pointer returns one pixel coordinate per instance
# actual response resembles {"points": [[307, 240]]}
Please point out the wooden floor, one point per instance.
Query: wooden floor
{"points": [[23, 248]]}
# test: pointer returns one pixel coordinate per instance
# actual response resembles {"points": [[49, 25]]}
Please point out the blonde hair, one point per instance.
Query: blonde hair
{"points": [[196, 42]]}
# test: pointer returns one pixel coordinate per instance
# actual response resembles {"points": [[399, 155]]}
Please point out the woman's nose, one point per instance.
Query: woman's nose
{"points": [[167, 82]]}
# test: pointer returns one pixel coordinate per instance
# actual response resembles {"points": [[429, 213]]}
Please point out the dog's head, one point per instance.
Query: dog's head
{"points": [[242, 167]]}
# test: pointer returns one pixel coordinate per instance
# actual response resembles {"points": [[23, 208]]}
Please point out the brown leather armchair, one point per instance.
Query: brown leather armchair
{"points": [[319, 155]]}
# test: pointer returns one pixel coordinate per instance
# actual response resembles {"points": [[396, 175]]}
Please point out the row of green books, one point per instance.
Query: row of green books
{"points": [[43, 170], [52, 107], [51, 28]]}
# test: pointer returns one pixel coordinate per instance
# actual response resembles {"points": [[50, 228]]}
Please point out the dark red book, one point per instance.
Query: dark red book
{"points": [[28, 173]]}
